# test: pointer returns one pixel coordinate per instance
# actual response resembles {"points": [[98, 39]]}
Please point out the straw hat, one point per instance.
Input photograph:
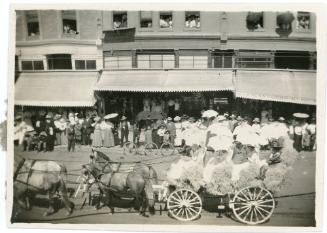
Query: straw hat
{"points": [[123, 118], [19, 117], [177, 118], [48, 116], [239, 118], [57, 117]]}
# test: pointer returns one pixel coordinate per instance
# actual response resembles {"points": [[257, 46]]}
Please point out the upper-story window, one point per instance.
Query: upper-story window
{"points": [[166, 20], [32, 65], [120, 20], [293, 60], [33, 27], [146, 19], [223, 59], [159, 61], [254, 59], [85, 64], [69, 22], [118, 61], [254, 21], [192, 19], [303, 21], [59, 62], [193, 62]]}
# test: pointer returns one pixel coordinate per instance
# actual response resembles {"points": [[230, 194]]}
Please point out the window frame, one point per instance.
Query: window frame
{"points": [[113, 19], [117, 60], [35, 37], [192, 28], [49, 67], [32, 63], [69, 35], [309, 30], [256, 55], [193, 61], [145, 28], [172, 20], [162, 60], [263, 22], [85, 61]]}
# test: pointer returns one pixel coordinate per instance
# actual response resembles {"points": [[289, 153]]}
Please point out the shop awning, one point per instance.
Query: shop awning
{"points": [[52, 89], [165, 81], [283, 86]]}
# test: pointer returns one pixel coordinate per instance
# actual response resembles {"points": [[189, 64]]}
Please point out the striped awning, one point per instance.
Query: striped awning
{"points": [[165, 81], [283, 86], [54, 89]]}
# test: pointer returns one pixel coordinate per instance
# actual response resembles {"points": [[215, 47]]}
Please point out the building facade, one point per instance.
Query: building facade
{"points": [[201, 59]]}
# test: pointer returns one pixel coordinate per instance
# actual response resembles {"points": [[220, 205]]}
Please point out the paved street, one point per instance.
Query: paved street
{"points": [[295, 203]]}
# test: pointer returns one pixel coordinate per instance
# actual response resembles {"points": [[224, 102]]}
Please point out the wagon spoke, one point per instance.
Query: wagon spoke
{"points": [[261, 214], [266, 211], [264, 201], [242, 207], [259, 194], [255, 213], [246, 197], [247, 213]]}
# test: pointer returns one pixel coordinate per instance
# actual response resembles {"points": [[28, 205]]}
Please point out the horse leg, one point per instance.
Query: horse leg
{"points": [[64, 196], [51, 205], [109, 201]]}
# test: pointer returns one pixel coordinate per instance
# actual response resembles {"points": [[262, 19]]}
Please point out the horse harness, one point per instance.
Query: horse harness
{"points": [[29, 173]]}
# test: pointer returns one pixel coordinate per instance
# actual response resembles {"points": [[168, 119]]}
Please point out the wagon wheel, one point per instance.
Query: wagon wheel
{"points": [[167, 149], [151, 149], [130, 148], [184, 205], [253, 205]]}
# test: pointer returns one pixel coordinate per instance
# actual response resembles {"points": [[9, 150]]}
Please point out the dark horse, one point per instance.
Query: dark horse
{"points": [[133, 180], [34, 177]]}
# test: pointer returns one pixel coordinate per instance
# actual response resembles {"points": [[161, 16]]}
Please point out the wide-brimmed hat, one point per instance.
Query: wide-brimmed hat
{"points": [[169, 119], [271, 119], [123, 118], [281, 119], [177, 118], [221, 118], [209, 113], [185, 116], [48, 116], [19, 117], [62, 120], [257, 120], [232, 116], [97, 118], [239, 118]]}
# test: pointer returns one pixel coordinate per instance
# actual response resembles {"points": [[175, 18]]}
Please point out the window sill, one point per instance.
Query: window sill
{"points": [[70, 36], [146, 29], [166, 29], [257, 30], [303, 30], [36, 37], [192, 29]]}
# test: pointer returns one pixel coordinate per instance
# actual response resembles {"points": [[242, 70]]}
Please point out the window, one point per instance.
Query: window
{"points": [[159, 61], [120, 20], [85, 64], [292, 60], [59, 62], [166, 20], [192, 19], [32, 19], [118, 62], [254, 60], [222, 59], [69, 22], [198, 62], [32, 65], [146, 19], [254, 21], [303, 21]]}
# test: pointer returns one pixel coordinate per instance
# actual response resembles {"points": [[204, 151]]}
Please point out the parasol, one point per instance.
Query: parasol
{"points": [[209, 113], [110, 116], [300, 115]]}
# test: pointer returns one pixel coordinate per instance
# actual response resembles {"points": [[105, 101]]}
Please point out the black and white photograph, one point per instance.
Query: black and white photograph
{"points": [[161, 115]]}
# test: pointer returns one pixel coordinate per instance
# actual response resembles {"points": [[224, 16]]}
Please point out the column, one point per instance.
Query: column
{"points": [[134, 59], [176, 51]]}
